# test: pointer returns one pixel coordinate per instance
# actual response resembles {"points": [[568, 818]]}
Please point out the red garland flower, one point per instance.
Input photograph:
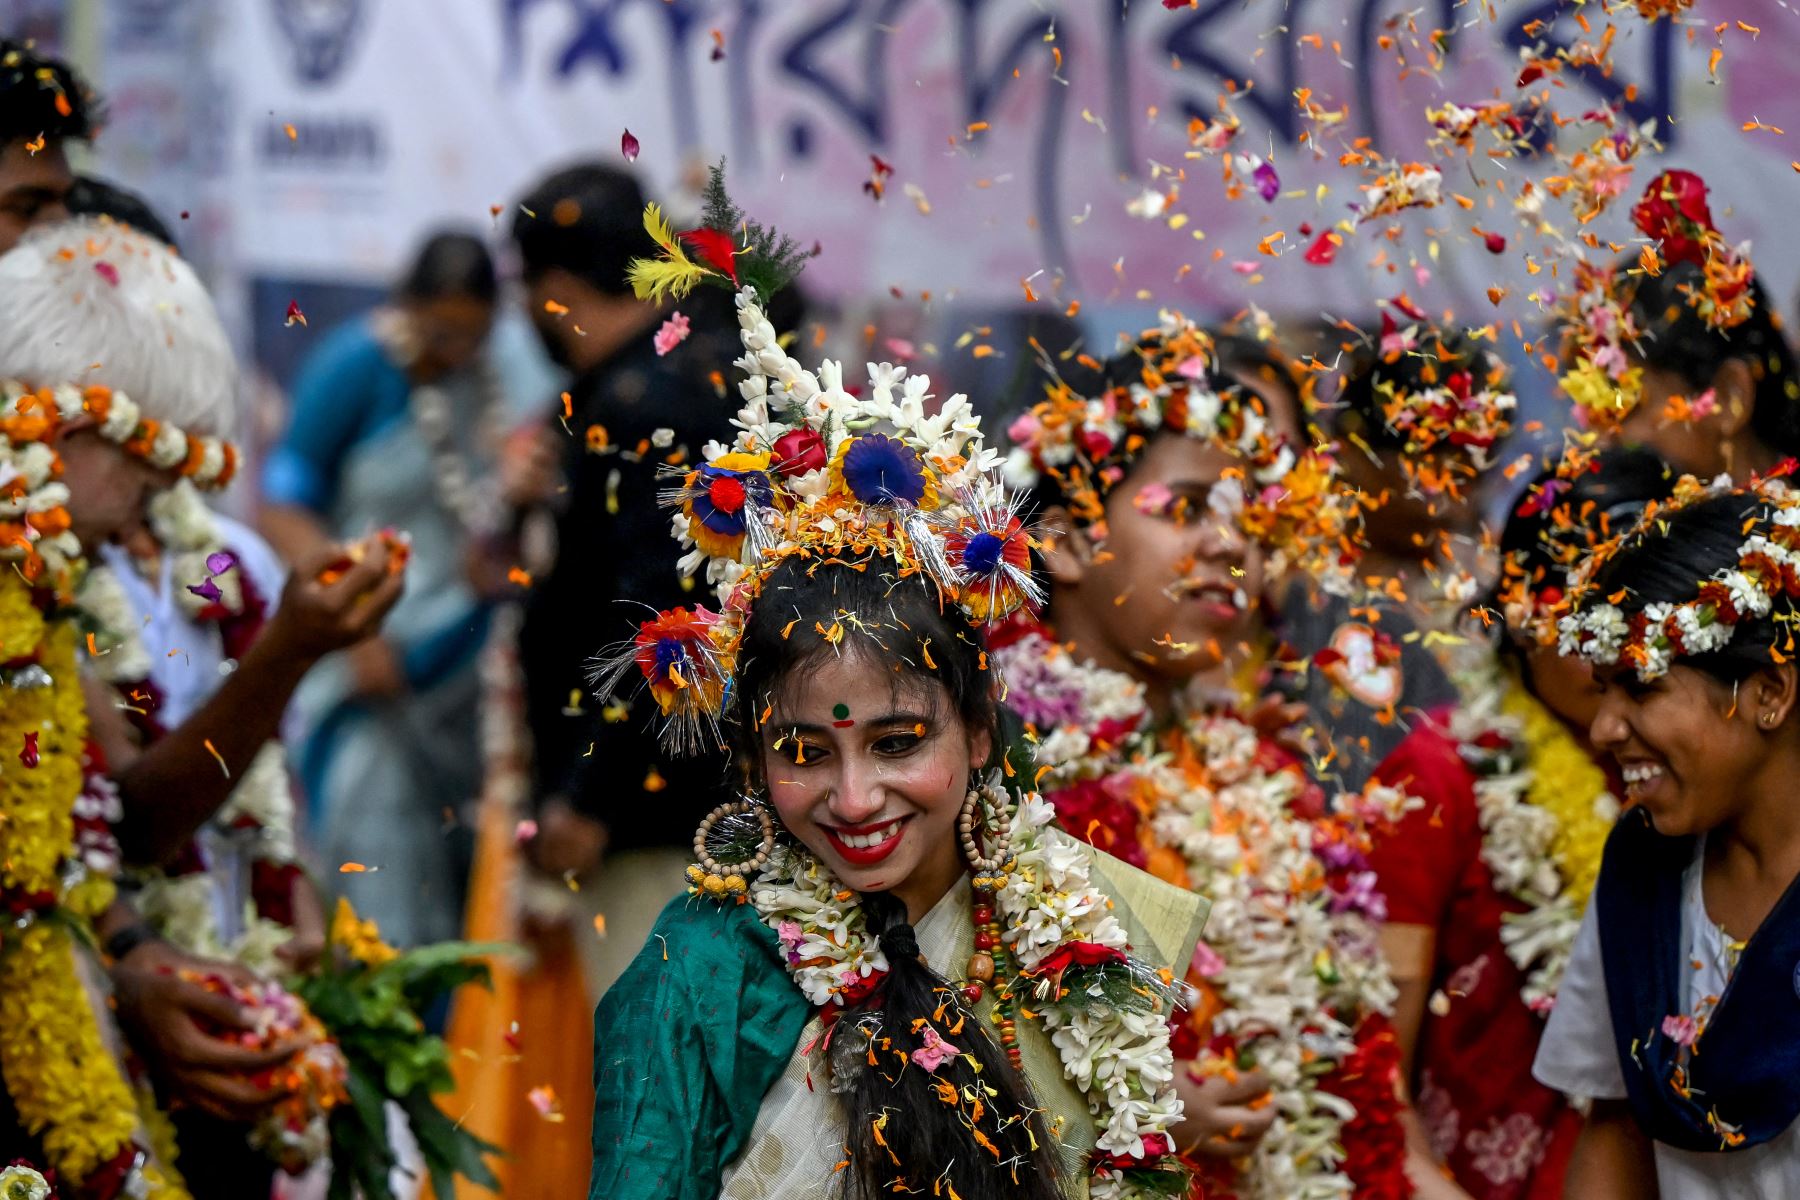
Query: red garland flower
{"points": [[1374, 1141], [1674, 212], [800, 452]]}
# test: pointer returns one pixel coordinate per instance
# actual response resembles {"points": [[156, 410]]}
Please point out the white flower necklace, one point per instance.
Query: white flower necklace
{"points": [[1119, 1059], [1294, 964], [184, 907], [1545, 859]]}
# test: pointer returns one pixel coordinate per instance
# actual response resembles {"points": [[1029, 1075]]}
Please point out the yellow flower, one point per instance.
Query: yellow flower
{"points": [[1596, 392], [65, 1085], [360, 938], [1566, 784]]}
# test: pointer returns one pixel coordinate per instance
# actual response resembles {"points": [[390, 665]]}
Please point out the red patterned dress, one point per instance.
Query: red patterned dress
{"points": [[1503, 1135]]}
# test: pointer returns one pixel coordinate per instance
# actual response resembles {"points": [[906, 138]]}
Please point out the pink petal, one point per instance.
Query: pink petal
{"points": [[628, 146], [1268, 183]]}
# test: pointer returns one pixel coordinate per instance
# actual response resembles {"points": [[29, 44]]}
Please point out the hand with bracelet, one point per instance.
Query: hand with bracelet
{"points": [[167, 1019]]}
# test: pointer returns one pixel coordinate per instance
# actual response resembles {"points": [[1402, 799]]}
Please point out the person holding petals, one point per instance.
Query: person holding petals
{"points": [[892, 972]]}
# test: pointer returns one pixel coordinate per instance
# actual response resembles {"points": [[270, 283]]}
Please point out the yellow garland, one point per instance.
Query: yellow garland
{"points": [[1564, 783], [65, 1084]]}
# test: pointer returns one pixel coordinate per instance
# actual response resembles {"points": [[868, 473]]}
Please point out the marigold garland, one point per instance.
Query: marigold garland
{"points": [[64, 1083]]}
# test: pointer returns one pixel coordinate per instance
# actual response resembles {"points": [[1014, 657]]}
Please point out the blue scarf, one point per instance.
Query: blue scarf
{"points": [[1743, 1075]]}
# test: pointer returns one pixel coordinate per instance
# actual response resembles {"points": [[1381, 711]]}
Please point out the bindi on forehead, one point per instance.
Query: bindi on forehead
{"points": [[840, 713]]}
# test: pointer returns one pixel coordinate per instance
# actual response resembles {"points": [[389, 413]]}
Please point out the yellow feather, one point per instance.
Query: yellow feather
{"points": [[652, 279], [657, 226]]}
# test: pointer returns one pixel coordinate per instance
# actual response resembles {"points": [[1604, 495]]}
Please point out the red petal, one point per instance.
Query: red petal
{"points": [[628, 146], [1323, 252]]}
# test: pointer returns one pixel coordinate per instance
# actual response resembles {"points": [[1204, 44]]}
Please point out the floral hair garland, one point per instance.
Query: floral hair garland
{"points": [[1286, 500], [34, 516], [1673, 214], [818, 473], [1767, 570]]}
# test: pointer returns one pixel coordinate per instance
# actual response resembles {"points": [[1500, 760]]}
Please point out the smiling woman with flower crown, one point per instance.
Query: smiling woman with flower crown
{"points": [[1676, 1011], [891, 973]]}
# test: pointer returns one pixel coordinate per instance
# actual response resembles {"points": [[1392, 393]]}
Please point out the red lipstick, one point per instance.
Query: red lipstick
{"points": [[868, 855]]}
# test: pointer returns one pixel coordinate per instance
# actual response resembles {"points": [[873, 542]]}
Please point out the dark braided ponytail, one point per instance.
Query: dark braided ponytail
{"points": [[971, 1125]]}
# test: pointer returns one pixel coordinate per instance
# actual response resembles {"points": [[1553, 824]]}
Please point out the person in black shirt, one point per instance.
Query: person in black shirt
{"points": [[601, 783]]}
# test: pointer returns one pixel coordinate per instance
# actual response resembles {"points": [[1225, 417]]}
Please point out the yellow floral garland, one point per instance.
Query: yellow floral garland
{"points": [[1564, 783], [65, 1084]]}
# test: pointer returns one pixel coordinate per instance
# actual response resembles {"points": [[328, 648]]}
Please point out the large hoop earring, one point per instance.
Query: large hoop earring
{"points": [[984, 814], [713, 878]]}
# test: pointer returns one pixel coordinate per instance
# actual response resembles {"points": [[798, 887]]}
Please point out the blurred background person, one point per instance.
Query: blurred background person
{"points": [[598, 775], [44, 107], [397, 422]]}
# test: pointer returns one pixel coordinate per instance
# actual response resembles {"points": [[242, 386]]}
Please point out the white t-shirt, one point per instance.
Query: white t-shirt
{"points": [[1577, 1056], [187, 660]]}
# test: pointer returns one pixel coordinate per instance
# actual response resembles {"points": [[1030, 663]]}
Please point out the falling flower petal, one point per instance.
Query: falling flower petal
{"points": [[219, 562], [294, 315], [674, 331], [1496, 243], [1323, 251], [1268, 183], [28, 753], [628, 146], [544, 1099], [207, 590], [108, 272]]}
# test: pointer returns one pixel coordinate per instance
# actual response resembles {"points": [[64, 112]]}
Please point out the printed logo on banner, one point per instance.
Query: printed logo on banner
{"points": [[320, 35]]}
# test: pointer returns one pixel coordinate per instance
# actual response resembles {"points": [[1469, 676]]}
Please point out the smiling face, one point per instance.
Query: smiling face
{"points": [[1170, 590], [1688, 745], [869, 768]]}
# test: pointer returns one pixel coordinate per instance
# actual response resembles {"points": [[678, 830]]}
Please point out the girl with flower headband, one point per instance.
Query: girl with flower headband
{"points": [[1487, 880], [1168, 495], [1419, 416], [1689, 359], [1677, 1010], [893, 973]]}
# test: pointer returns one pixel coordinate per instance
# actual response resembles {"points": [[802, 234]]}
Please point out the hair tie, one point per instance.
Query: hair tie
{"points": [[899, 942]]}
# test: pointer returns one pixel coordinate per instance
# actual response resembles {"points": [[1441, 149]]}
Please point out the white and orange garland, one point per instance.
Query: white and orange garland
{"points": [[1118, 1058], [1295, 980]]}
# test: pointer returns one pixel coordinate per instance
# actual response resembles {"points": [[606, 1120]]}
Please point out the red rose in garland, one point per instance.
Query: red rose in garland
{"points": [[1674, 212]]}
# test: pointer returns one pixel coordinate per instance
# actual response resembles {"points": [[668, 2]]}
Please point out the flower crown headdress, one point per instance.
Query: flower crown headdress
{"points": [[1287, 499], [1767, 570], [818, 473], [1597, 317], [1447, 396]]}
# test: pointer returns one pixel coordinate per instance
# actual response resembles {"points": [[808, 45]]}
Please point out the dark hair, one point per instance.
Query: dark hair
{"points": [[1675, 338], [1361, 407], [451, 263], [587, 220], [1558, 519], [1668, 560], [1239, 355], [97, 197], [903, 622], [40, 95]]}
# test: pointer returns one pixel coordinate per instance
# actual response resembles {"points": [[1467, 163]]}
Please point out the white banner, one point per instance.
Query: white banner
{"points": [[1024, 127]]}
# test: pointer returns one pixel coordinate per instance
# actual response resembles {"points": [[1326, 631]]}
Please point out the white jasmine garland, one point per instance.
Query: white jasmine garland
{"points": [[1518, 839], [1121, 1061]]}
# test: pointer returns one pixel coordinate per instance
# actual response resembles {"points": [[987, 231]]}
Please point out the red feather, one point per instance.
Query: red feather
{"points": [[715, 249]]}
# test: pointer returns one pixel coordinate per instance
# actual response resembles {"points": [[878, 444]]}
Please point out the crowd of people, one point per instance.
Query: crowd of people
{"points": [[1173, 788]]}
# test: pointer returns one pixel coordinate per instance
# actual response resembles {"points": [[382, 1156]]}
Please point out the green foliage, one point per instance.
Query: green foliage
{"points": [[372, 1012], [767, 259], [1158, 1183]]}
